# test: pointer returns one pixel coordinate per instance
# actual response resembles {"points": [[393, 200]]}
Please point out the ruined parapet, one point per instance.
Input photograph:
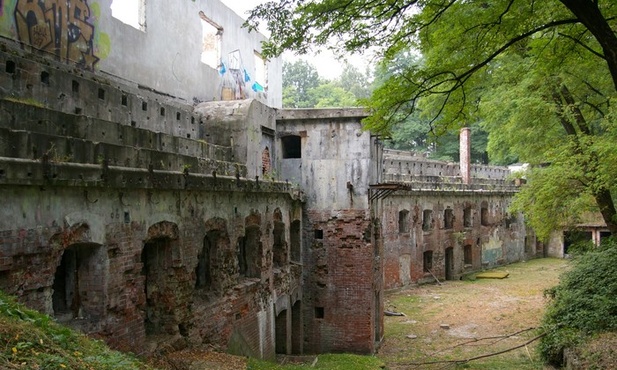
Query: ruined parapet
{"points": [[407, 167]]}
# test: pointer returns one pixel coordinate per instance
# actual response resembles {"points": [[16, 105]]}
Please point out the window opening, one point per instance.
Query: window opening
{"points": [[131, 12], [253, 254], [467, 217], [279, 246], [206, 258], [261, 73], [212, 35], [448, 218], [484, 214], [292, 146], [318, 234], [427, 220], [467, 256], [295, 241], [319, 313], [403, 221], [265, 161]]}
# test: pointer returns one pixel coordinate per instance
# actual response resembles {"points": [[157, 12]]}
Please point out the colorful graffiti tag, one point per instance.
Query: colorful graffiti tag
{"points": [[60, 27]]}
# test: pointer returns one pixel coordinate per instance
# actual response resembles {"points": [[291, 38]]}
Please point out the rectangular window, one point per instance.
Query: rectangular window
{"points": [[131, 12], [403, 221], [448, 218], [261, 72], [427, 220], [318, 234], [211, 35], [467, 255], [467, 217]]}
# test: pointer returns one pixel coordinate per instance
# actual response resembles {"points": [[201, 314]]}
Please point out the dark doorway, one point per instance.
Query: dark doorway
{"points": [[281, 332], [449, 263]]}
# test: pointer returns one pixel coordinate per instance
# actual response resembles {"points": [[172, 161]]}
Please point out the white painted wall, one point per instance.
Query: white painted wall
{"points": [[166, 55]]}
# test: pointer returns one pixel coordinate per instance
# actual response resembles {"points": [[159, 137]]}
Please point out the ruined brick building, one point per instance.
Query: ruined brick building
{"points": [[156, 196]]}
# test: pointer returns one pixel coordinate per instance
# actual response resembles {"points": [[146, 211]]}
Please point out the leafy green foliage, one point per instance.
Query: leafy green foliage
{"points": [[538, 77], [34, 341], [582, 304], [303, 88]]}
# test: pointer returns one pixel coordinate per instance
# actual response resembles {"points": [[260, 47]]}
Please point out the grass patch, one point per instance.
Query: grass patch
{"points": [[31, 340], [324, 362]]}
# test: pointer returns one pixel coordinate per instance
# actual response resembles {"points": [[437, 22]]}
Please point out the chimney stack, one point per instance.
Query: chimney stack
{"points": [[465, 155]]}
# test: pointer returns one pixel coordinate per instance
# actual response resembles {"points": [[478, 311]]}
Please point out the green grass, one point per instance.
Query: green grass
{"points": [[31, 340], [327, 361]]}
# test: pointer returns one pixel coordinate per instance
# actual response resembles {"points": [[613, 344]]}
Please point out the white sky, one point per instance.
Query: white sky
{"points": [[326, 63]]}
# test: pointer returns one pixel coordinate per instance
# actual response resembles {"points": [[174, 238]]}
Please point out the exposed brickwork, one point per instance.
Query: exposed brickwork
{"points": [[341, 282], [500, 241]]}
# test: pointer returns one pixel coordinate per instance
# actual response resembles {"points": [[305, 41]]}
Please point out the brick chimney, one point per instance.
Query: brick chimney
{"points": [[465, 155]]}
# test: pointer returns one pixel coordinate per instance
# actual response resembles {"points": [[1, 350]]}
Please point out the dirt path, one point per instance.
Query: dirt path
{"points": [[451, 322]]}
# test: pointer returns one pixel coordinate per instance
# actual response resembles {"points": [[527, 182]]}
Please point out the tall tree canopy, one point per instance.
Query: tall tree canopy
{"points": [[304, 88], [539, 76]]}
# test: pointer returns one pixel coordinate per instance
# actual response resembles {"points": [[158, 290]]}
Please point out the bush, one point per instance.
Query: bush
{"points": [[582, 304]]}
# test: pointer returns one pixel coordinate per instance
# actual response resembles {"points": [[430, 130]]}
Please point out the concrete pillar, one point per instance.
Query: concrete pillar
{"points": [[465, 154]]}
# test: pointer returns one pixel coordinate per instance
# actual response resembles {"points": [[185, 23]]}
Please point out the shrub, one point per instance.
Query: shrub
{"points": [[582, 304]]}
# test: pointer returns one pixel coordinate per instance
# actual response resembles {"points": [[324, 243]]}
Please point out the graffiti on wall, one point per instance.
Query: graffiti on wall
{"points": [[60, 27]]}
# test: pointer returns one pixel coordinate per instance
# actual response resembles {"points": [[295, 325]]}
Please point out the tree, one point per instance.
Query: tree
{"points": [[304, 88], [563, 110], [298, 79]]}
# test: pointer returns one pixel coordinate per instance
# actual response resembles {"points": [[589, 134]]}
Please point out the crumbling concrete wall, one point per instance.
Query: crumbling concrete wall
{"points": [[133, 235], [333, 160], [161, 51], [442, 227]]}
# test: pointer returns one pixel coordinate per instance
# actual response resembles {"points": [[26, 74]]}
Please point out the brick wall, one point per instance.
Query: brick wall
{"points": [[341, 282]]}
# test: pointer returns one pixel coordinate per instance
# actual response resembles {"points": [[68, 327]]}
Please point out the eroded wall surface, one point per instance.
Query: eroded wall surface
{"points": [[441, 228], [192, 50], [124, 218], [343, 272]]}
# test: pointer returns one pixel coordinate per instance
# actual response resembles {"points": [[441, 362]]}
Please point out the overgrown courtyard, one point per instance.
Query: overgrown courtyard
{"points": [[461, 320]]}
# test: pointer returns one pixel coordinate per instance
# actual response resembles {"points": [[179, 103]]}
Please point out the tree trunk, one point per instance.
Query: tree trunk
{"points": [[607, 208], [591, 17]]}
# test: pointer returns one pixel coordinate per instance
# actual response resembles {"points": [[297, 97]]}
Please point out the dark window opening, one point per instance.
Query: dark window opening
{"points": [[318, 234], [403, 221], [10, 67], [162, 111], [206, 261], [319, 313], [295, 241], [467, 255], [292, 146], [484, 215], [448, 218], [241, 253], [101, 94], [467, 217], [251, 254], [144, 105], [427, 261], [178, 116], [279, 247], [125, 100], [427, 220], [45, 77], [75, 87]]}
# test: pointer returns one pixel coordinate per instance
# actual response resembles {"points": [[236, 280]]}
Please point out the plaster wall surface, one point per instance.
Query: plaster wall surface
{"points": [[335, 164], [164, 54]]}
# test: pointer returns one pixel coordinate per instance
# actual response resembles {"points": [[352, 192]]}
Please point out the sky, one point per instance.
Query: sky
{"points": [[326, 63]]}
